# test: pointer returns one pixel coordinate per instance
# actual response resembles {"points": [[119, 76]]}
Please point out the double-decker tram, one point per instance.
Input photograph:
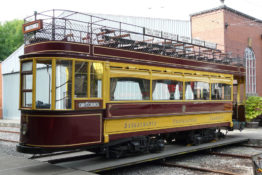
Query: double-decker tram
{"points": [[96, 84]]}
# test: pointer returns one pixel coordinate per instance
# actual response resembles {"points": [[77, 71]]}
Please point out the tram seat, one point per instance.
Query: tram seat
{"points": [[41, 105], [121, 36], [67, 36], [37, 39], [105, 31], [87, 38]]}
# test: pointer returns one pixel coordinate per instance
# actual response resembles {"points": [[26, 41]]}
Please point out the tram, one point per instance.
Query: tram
{"points": [[106, 86]]}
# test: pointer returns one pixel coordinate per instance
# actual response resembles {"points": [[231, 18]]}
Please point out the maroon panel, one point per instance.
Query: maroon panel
{"points": [[128, 109], [204, 107], [133, 134], [62, 130], [57, 46], [170, 108], [98, 50]]}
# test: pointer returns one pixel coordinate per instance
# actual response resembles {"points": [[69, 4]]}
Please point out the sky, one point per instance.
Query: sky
{"points": [[171, 9]]}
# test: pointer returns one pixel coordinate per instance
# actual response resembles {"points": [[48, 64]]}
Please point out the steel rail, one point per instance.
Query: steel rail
{"points": [[197, 168], [12, 141], [12, 132], [231, 155], [252, 146]]}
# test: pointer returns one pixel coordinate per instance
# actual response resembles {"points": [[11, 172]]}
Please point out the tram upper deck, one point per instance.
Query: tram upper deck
{"points": [[77, 34]]}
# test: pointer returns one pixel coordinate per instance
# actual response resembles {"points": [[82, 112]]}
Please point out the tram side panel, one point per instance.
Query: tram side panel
{"points": [[129, 120], [50, 132]]}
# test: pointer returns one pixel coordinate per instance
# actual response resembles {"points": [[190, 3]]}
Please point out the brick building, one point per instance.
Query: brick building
{"points": [[236, 33]]}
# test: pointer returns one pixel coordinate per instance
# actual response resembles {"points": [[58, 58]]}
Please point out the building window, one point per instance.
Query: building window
{"points": [[250, 71]]}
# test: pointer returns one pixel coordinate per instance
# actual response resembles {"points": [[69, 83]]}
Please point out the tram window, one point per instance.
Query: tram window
{"points": [[27, 66], [220, 91], [129, 89], [26, 89], [63, 84], [197, 91], [27, 99], [27, 81], [81, 79], [96, 76], [167, 90], [43, 84]]}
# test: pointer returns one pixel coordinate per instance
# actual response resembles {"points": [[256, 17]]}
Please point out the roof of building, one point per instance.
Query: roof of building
{"points": [[228, 9]]}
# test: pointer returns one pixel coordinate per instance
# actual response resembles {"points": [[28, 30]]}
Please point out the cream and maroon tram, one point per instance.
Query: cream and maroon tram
{"points": [[102, 85]]}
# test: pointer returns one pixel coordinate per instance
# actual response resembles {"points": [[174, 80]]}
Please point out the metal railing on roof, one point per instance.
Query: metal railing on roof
{"points": [[64, 25]]}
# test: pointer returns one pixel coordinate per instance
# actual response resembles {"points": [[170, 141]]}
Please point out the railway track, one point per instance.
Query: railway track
{"points": [[240, 161], [229, 160], [9, 134], [186, 163], [100, 164]]}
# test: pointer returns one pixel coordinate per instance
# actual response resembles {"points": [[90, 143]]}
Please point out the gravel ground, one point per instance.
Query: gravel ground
{"points": [[10, 149], [228, 164], [154, 169], [9, 136], [240, 150]]}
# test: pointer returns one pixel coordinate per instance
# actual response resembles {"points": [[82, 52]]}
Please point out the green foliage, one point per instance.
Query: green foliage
{"points": [[11, 37], [253, 107]]}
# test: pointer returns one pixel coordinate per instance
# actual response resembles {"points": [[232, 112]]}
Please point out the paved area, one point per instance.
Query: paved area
{"points": [[10, 165], [9, 123], [251, 133]]}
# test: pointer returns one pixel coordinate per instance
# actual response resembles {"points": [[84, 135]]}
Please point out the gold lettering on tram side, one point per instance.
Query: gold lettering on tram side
{"points": [[132, 125], [217, 118], [184, 121]]}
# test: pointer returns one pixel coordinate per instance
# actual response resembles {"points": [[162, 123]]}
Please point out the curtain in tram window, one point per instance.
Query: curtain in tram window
{"points": [[189, 93], [177, 93], [192, 85], [113, 83], [153, 86], [171, 89], [145, 88]]}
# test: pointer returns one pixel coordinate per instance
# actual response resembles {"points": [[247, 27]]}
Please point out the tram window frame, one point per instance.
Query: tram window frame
{"points": [[26, 71], [39, 101], [191, 95], [85, 84], [141, 83], [175, 92], [68, 103], [95, 89], [215, 95]]}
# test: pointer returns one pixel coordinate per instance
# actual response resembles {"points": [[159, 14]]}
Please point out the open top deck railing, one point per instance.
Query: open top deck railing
{"points": [[64, 25]]}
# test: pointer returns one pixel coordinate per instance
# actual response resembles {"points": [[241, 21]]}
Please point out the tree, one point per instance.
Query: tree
{"points": [[11, 37], [253, 107]]}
